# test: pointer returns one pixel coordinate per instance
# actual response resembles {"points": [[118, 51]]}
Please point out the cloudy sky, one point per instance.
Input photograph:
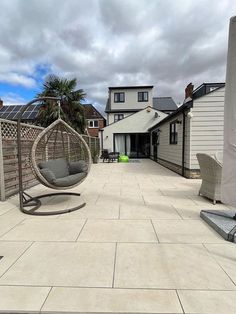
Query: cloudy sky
{"points": [[104, 43]]}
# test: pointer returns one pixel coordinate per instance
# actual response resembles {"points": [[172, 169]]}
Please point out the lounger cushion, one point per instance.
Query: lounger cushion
{"points": [[77, 167], [58, 166], [70, 180], [48, 175]]}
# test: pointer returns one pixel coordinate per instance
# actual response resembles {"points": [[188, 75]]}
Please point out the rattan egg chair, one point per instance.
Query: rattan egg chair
{"points": [[60, 159]]}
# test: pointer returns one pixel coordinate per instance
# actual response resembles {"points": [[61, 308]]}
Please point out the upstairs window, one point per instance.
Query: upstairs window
{"points": [[142, 96], [119, 97], [93, 123], [118, 117], [173, 133]]}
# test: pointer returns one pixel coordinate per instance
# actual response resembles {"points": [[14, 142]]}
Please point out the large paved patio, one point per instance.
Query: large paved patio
{"points": [[138, 246]]}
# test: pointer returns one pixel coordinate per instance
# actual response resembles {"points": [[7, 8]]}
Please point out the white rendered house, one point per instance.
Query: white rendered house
{"points": [[126, 100], [196, 127], [131, 110], [130, 136]]}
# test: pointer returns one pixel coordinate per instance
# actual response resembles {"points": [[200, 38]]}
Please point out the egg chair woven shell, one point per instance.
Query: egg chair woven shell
{"points": [[59, 140]]}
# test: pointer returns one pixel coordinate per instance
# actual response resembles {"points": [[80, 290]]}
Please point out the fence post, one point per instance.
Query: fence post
{"points": [[89, 142], [2, 179], [95, 144]]}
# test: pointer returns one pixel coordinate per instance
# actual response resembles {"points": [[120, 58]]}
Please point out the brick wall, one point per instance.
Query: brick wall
{"points": [[94, 131]]}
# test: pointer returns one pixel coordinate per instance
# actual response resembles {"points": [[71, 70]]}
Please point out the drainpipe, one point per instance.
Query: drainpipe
{"points": [[101, 139], [183, 146]]}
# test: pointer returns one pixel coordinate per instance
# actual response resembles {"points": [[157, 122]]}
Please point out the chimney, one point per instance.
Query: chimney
{"points": [[189, 91], [1, 103]]}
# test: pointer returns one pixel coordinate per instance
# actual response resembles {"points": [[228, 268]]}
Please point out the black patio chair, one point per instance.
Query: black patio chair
{"points": [[112, 156]]}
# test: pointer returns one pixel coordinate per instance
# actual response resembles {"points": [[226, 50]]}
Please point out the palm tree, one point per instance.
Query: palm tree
{"points": [[71, 109]]}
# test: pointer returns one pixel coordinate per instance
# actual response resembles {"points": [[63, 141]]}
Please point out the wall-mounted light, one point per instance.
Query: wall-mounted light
{"points": [[156, 115], [107, 137], [190, 115], [179, 121]]}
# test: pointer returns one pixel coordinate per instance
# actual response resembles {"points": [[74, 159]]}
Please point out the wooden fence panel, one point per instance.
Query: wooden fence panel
{"points": [[8, 155]]}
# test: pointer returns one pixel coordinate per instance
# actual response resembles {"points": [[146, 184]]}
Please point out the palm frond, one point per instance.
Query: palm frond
{"points": [[71, 109]]}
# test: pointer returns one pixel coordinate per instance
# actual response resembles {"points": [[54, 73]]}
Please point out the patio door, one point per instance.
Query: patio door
{"points": [[122, 143], [155, 141], [143, 150], [133, 145]]}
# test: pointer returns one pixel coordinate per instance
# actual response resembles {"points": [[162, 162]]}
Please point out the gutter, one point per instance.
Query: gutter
{"points": [[183, 108]]}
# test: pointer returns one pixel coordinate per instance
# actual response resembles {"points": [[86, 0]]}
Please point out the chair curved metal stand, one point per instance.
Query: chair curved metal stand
{"points": [[60, 159]]}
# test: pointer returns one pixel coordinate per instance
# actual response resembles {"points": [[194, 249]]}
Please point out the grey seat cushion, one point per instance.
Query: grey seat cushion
{"points": [[59, 167], [77, 167], [70, 180], [48, 175]]}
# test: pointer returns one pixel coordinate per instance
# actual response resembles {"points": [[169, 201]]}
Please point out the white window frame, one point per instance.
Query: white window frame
{"points": [[120, 116], [93, 126], [143, 96], [173, 135], [119, 97]]}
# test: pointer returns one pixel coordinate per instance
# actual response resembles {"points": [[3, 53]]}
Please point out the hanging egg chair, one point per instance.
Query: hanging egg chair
{"points": [[60, 159]]}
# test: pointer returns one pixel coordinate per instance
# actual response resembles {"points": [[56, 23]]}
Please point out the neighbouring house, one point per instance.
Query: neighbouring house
{"points": [[95, 120], [126, 100], [195, 127], [130, 136]]}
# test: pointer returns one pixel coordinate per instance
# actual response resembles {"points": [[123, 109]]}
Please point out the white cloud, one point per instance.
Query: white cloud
{"points": [[103, 43], [17, 79], [13, 99]]}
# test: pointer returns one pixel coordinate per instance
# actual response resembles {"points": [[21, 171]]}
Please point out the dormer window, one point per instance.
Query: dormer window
{"points": [[142, 96], [119, 97]]}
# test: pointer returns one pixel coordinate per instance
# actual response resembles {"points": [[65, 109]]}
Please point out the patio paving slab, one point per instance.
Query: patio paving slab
{"points": [[152, 198], [161, 211], [95, 211], [177, 192], [208, 302], [112, 301], [18, 214], [22, 299], [168, 266], [111, 199], [11, 251], [64, 264], [8, 220], [185, 231], [189, 212], [45, 230], [5, 207], [225, 255], [206, 203], [118, 231], [128, 277]]}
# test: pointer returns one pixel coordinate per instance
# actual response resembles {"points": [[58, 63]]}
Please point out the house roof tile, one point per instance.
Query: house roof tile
{"points": [[91, 112], [164, 103]]}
